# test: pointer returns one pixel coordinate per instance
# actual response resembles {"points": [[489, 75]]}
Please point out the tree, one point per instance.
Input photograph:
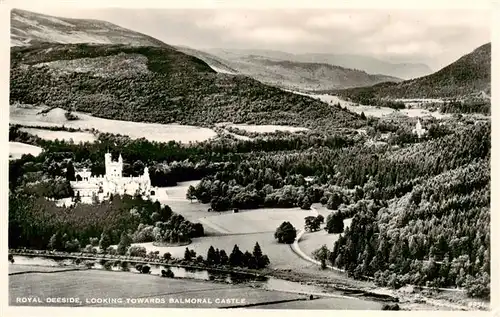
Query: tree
{"points": [[261, 260], [334, 201], [70, 172], [105, 241], [124, 244], [198, 230], [236, 256], [249, 260], [322, 254], [312, 223], [306, 204], [56, 242], [335, 223], [211, 256], [187, 255], [224, 259], [167, 273], [138, 251], [285, 233], [191, 193], [77, 199]]}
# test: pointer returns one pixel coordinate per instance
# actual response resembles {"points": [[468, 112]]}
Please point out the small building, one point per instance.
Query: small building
{"points": [[419, 131]]}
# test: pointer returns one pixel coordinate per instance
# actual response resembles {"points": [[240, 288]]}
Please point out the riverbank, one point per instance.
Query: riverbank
{"points": [[329, 281]]}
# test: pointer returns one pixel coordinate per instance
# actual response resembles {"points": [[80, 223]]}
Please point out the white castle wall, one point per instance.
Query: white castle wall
{"points": [[88, 186]]}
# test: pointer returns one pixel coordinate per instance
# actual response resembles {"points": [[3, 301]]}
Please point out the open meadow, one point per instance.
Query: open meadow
{"points": [[280, 255], [154, 291], [31, 116], [256, 220], [118, 285], [225, 229], [17, 149]]}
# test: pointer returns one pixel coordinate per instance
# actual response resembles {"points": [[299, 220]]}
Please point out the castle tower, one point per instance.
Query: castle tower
{"points": [[113, 169]]}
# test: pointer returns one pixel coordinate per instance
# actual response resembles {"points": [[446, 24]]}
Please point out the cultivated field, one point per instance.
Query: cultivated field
{"points": [[17, 149], [29, 116], [89, 284], [77, 137]]}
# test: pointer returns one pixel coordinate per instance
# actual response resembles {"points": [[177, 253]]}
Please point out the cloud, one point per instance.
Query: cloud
{"points": [[281, 35]]}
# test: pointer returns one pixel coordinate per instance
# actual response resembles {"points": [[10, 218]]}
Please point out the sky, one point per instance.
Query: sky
{"points": [[433, 37]]}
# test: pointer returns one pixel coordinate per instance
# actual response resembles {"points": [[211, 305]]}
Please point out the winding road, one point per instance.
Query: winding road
{"points": [[296, 248]]}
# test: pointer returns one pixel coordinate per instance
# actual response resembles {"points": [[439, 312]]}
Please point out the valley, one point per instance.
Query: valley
{"points": [[329, 181]]}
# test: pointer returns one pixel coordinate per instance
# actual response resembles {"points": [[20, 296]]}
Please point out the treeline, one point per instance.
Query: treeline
{"points": [[177, 88], [33, 221], [237, 258], [466, 106]]}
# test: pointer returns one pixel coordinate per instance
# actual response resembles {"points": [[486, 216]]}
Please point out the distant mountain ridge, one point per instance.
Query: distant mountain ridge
{"points": [[467, 77], [368, 64], [28, 28], [289, 74]]}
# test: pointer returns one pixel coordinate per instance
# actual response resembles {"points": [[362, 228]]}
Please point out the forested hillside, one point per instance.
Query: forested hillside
{"points": [[155, 84], [469, 76]]}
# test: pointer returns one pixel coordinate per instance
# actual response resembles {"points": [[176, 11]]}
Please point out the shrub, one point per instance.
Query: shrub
{"points": [[167, 273]]}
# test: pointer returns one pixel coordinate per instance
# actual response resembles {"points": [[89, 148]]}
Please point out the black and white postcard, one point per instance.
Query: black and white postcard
{"points": [[270, 158]]}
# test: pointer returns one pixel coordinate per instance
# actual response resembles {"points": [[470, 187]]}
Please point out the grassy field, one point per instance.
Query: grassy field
{"points": [[225, 229], [29, 116], [258, 220], [87, 286], [17, 149], [280, 255], [77, 137]]}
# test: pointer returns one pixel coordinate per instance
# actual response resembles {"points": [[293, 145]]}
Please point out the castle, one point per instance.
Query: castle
{"points": [[89, 187]]}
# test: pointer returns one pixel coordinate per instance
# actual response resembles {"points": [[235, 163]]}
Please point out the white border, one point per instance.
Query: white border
{"points": [[5, 310]]}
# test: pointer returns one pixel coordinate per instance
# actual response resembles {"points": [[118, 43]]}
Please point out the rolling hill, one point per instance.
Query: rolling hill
{"points": [[156, 84], [468, 77], [368, 64], [28, 28]]}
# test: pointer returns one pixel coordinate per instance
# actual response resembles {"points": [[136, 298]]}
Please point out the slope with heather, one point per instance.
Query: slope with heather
{"points": [[156, 84]]}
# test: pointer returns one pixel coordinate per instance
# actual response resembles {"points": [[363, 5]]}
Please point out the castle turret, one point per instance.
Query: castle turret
{"points": [[113, 169]]}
